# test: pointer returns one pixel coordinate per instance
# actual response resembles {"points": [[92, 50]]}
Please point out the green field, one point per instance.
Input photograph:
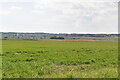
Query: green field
{"points": [[59, 59], [94, 38]]}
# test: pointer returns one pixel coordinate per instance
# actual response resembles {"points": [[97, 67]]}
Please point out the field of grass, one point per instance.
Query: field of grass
{"points": [[59, 59], [94, 38]]}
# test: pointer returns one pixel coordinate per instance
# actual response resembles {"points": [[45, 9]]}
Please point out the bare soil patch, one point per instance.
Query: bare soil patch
{"points": [[60, 67]]}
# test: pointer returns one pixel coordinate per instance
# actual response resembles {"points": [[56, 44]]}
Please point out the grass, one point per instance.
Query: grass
{"points": [[94, 38], [59, 59]]}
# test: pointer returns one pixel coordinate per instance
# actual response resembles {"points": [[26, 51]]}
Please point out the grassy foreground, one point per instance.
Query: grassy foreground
{"points": [[59, 59]]}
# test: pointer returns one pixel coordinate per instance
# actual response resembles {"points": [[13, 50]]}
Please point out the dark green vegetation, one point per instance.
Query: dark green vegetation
{"points": [[59, 59]]}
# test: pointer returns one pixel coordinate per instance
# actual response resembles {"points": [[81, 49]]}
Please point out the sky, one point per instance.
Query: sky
{"points": [[59, 16]]}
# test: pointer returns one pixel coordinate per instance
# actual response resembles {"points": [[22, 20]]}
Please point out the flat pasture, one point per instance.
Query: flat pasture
{"points": [[59, 59]]}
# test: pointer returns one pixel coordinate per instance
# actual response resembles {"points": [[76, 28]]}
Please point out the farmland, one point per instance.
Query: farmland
{"points": [[59, 59]]}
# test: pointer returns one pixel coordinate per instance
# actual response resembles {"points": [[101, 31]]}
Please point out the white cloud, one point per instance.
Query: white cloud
{"points": [[65, 16], [61, 0], [79, 16], [38, 11], [15, 8], [74, 7], [4, 12], [15, 0], [12, 9]]}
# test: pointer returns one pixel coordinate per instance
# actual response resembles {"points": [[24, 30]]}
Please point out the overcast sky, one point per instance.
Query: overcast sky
{"points": [[59, 16]]}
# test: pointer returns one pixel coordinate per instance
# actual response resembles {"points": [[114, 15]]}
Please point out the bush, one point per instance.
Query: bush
{"points": [[56, 37]]}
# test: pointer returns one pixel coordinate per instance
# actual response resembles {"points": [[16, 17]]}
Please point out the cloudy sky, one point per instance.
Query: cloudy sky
{"points": [[59, 16]]}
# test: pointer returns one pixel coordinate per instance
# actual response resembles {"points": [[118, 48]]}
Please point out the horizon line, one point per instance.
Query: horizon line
{"points": [[60, 32]]}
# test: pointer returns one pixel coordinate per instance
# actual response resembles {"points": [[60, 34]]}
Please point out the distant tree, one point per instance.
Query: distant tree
{"points": [[60, 37], [56, 37], [5, 37]]}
